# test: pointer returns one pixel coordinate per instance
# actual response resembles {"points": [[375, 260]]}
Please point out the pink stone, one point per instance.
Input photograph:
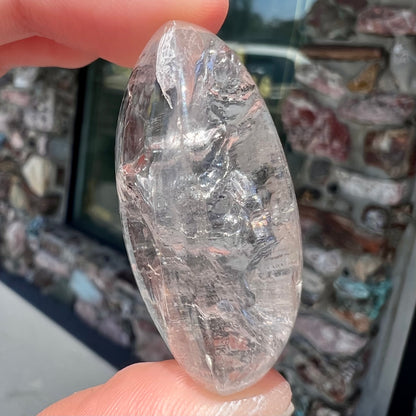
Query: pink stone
{"points": [[314, 129], [322, 80], [390, 150], [44, 260], [15, 239], [378, 108], [18, 98], [112, 328], [387, 21], [328, 338], [87, 312]]}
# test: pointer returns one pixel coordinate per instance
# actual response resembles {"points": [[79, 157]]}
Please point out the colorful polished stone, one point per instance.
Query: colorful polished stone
{"points": [[312, 128]]}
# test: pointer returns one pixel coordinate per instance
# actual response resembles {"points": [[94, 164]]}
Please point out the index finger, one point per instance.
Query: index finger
{"points": [[116, 30]]}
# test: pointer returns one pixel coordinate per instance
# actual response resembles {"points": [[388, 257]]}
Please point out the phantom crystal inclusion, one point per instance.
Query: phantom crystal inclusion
{"points": [[208, 209]]}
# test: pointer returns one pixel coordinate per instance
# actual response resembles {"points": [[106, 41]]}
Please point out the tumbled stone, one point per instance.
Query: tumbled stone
{"points": [[376, 219], [321, 79], [362, 298], [387, 21], [403, 64], [357, 321], [39, 174], [392, 150], [332, 379], [214, 245], [378, 191], [84, 288], [366, 79], [343, 233], [342, 52], [314, 129], [378, 108], [16, 140], [15, 239], [365, 265], [347, 289], [18, 197], [44, 260], [329, 338], [326, 262]]}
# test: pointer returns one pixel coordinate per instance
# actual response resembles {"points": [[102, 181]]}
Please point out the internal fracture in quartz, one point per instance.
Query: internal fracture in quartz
{"points": [[208, 209]]}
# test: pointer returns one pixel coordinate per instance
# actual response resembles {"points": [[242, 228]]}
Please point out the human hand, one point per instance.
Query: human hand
{"points": [[164, 389], [72, 34], [76, 32]]}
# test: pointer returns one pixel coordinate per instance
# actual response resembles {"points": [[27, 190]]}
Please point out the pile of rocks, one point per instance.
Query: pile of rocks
{"points": [[350, 125], [37, 110]]}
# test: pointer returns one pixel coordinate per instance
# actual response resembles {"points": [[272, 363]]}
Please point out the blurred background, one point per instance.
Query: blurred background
{"points": [[339, 77]]}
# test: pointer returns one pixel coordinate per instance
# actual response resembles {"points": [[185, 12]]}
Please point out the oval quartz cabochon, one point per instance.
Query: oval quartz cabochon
{"points": [[208, 209]]}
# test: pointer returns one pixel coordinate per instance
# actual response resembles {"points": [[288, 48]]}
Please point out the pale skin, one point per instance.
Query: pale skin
{"points": [[71, 34]]}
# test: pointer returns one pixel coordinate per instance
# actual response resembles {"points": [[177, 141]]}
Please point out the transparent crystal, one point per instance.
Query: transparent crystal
{"points": [[209, 213]]}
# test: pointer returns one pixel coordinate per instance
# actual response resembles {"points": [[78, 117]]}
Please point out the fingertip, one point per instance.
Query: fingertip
{"points": [[213, 14]]}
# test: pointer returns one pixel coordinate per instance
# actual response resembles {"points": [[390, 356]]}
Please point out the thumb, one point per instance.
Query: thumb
{"points": [[164, 389]]}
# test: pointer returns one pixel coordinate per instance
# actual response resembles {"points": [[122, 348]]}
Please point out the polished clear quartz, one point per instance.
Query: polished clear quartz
{"points": [[208, 209]]}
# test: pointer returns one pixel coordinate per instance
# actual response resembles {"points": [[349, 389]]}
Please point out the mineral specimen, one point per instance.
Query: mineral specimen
{"points": [[376, 219], [328, 338], [322, 80], [378, 191], [387, 21], [366, 79], [378, 108], [403, 64], [208, 209], [314, 129], [326, 262], [392, 150]]}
